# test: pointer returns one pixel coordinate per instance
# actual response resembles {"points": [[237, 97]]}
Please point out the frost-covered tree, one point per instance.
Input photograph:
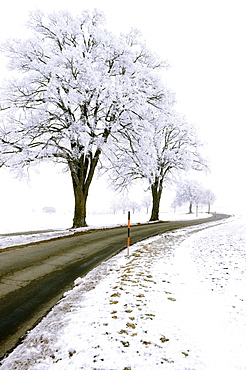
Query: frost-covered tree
{"points": [[134, 206], [189, 191], [162, 145], [75, 85], [124, 203], [208, 198], [146, 202]]}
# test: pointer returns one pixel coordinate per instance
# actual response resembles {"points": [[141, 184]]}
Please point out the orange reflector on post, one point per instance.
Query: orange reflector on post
{"points": [[128, 236]]}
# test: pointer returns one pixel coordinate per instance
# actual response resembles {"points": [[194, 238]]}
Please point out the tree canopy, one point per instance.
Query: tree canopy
{"points": [[75, 86], [156, 150]]}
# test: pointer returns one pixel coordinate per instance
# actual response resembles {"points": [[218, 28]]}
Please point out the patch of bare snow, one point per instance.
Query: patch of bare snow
{"points": [[177, 302], [212, 273]]}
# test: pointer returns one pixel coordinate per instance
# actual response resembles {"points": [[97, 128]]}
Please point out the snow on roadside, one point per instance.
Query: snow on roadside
{"points": [[214, 292], [15, 239], [95, 222], [177, 302]]}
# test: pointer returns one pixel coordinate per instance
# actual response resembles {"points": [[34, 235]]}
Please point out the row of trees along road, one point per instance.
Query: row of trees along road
{"points": [[80, 94], [193, 193]]}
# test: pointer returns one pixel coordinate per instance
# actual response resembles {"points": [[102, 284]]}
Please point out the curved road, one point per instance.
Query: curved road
{"points": [[34, 277]]}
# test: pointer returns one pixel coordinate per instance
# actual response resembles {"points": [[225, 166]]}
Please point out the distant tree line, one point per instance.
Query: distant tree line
{"points": [[193, 193], [86, 98], [124, 204]]}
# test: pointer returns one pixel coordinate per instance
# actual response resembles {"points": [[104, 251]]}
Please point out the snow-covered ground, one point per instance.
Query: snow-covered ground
{"points": [[178, 302]]}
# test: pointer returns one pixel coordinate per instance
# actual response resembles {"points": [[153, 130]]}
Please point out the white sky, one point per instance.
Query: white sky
{"points": [[204, 41]]}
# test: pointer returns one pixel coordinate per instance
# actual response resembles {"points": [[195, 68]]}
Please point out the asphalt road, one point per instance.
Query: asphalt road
{"points": [[34, 277]]}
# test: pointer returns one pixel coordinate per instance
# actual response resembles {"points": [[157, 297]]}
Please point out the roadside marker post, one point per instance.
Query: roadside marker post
{"points": [[128, 235]]}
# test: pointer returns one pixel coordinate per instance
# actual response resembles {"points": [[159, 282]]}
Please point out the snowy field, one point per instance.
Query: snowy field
{"points": [[178, 302]]}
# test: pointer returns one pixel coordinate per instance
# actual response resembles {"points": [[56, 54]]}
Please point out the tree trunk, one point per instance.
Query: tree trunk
{"points": [[156, 190], [208, 207], [80, 199], [82, 172], [190, 207]]}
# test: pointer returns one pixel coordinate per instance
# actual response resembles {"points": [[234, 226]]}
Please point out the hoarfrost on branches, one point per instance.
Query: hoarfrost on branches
{"points": [[192, 192], [77, 85], [155, 150]]}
